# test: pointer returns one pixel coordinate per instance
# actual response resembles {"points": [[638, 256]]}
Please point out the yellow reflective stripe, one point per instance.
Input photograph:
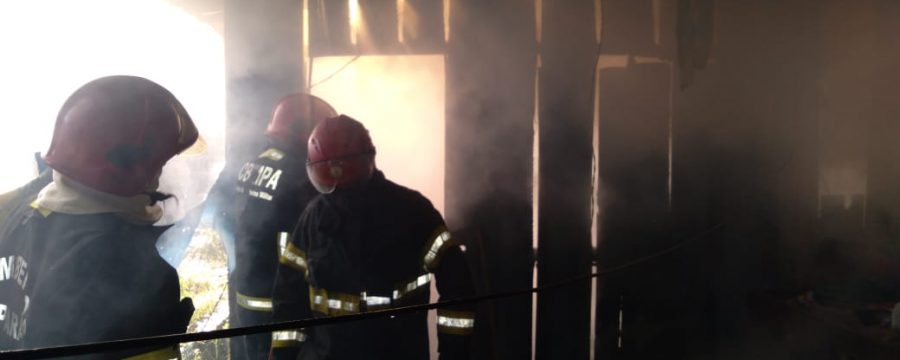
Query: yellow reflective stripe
{"points": [[440, 240], [254, 303], [44, 212], [287, 338], [333, 303], [420, 282], [166, 353], [455, 322], [294, 257], [273, 154]]}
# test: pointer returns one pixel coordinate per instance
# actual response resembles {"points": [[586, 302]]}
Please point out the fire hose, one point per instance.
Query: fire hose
{"points": [[165, 340]]}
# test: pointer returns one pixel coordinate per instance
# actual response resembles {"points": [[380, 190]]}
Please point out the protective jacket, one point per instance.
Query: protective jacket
{"points": [[372, 247], [71, 279], [272, 191]]}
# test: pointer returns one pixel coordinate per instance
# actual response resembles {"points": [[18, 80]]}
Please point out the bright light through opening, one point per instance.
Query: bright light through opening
{"points": [[400, 99], [354, 20], [48, 54]]}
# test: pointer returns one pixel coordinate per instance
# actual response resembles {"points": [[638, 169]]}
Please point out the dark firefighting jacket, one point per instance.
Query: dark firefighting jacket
{"points": [[272, 191], [370, 248], [71, 279]]}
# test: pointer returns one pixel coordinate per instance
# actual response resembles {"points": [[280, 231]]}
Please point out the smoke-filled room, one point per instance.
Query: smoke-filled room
{"points": [[450, 179]]}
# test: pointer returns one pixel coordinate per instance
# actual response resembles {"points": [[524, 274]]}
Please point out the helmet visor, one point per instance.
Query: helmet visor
{"points": [[321, 175]]}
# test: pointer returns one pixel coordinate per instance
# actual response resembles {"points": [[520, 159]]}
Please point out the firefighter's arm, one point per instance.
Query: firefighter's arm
{"points": [[110, 297], [454, 281], [290, 300]]}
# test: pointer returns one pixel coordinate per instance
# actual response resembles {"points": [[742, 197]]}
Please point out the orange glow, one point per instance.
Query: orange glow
{"points": [[401, 12], [355, 20], [598, 19], [400, 99], [446, 20], [538, 20], [408, 21], [306, 41]]}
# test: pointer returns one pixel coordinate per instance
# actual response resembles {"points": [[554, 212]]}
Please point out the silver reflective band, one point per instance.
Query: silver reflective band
{"points": [[435, 248], [334, 304], [459, 323], [422, 280], [288, 335], [377, 300], [283, 239], [318, 299], [338, 304], [253, 303], [411, 286]]}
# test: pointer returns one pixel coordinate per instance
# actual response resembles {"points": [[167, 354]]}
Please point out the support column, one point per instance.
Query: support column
{"points": [[489, 137], [568, 52]]}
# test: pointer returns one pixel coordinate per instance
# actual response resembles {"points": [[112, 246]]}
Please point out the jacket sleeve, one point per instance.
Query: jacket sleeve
{"points": [[446, 259], [290, 296]]}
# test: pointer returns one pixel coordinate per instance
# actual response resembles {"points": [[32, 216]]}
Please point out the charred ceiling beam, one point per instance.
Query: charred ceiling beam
{"points": [[376, 27], [638, 27], [568, 52], [329, 28], [378, 31]]}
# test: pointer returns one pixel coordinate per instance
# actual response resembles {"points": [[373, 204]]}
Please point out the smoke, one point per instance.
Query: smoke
{"points": [[796, 103]]}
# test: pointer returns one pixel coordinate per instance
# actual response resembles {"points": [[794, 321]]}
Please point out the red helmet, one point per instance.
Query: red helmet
{"points": [[294, 117], [340, 153], [114, 134]]}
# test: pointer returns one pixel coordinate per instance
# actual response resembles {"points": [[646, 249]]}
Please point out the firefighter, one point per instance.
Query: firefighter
{"points": [[273, 190], [367, 244], [78, 262]]}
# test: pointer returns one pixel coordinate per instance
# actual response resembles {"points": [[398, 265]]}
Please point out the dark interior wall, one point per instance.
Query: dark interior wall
{"points": [[745, 157], [263, 62], [634, 214], [490, 70], [748, 148], [883, 147]]}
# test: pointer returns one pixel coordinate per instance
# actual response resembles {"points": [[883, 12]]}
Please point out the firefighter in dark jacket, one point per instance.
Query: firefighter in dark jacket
{"points": [[78, 262], [367, 244], [273, 190]]}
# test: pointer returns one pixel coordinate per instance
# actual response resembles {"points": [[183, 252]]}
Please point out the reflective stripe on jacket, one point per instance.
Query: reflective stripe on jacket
{"points": [[372, 248]]}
